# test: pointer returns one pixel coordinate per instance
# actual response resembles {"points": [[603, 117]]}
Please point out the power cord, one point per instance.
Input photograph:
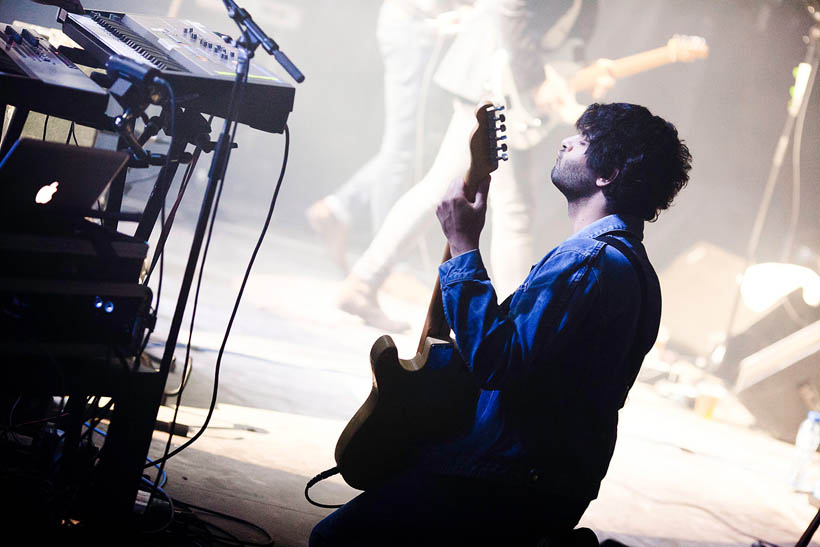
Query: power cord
{"points": [[709, 512], [240, 84], [217, 175], [168, 499], [189, 521], [166, 228], [212, 406]]}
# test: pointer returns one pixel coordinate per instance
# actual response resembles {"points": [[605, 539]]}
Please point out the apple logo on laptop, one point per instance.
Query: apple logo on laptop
{"points": [[47, 192]]}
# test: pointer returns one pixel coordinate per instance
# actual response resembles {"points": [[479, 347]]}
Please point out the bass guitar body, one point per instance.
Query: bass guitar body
{"points": [[413, 402]]}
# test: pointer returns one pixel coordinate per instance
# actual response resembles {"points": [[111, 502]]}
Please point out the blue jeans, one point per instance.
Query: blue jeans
{"points": [[420, 508]]}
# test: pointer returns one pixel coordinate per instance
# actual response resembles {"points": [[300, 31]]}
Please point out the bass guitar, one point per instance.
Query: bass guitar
{"points": [[528, 127], [431, 396]]}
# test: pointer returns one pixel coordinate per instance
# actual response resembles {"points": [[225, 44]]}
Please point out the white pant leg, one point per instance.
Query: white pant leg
{"points": [[416, 208], [406, 43]]}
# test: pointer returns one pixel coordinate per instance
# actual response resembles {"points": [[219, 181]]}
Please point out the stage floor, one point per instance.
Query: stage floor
{"points": [[296, 368]]}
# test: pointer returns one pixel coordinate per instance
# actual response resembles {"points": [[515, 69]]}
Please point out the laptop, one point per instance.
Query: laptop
{"points": [[54, 180]]}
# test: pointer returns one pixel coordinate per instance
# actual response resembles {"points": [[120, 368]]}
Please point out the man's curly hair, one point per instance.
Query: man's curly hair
{"points": [[649, 162]]}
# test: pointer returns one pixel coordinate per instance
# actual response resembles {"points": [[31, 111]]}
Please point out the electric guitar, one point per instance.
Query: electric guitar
{"points": [[527, 128], [431, 396]]}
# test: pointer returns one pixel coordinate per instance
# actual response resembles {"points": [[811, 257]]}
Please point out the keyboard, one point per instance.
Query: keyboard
{"points": [[198, 63]]}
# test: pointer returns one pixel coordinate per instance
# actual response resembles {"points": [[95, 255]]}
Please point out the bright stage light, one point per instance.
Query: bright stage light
{"points": [[766, 284]]}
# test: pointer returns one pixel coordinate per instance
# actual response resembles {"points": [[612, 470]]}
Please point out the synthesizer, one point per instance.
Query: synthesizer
{"points": [[198, 63], [36, 76]]}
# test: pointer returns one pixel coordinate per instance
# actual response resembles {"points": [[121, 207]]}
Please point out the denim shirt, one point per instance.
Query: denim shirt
{"points": [[554, 361]]}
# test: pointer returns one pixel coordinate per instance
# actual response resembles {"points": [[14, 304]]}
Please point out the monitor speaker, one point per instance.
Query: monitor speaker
{"points": [[780, 383]]}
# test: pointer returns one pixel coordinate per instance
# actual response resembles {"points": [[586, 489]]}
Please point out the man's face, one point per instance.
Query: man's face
{"points": [[570, 174]]}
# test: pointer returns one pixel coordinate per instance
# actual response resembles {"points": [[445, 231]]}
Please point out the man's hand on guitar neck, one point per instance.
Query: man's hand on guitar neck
{"points": [[462, 219]]}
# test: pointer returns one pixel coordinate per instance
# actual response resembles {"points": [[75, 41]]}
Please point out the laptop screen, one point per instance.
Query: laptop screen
{"points": [[41, 176]]}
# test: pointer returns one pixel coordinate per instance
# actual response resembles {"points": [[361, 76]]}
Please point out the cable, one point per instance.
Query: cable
{"points": [[191, 507], [166, 229], [93, 423], [45, 126], [12, 426], [217, 175], [166, 226], [320, 477], [71, 134], [170, 501], [172, 122], [171, 131], [709, 512], [183, 382], [149, 460], [212, 221], [165, 168], [236, 303], [191, 332]]}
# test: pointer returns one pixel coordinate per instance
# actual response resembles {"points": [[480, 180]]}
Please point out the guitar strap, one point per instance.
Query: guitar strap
{"points": [[635, 356]]}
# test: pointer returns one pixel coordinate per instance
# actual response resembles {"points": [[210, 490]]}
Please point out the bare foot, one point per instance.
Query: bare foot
{"points": [[332, 230], [358, 298]]}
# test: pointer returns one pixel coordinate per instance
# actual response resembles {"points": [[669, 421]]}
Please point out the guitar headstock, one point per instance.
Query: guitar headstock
{"points": [[486, 144], [687, 48]]}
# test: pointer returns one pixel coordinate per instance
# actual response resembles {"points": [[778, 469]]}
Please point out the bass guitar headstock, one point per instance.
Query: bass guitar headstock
{"points": [[487, 148]]}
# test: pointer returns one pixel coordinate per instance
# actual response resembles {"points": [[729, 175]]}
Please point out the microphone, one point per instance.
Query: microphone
{"points": [[123, 67]]}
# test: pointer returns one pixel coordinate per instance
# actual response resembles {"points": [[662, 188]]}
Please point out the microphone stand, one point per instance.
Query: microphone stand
{"points": [[251, 38], [730, 371], [251, 31]]}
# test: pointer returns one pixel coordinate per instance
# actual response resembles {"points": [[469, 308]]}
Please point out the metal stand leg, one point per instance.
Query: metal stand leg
{"points": [[809, 533], [189, 127], [127, 445], [18, 120], [115, 192]]}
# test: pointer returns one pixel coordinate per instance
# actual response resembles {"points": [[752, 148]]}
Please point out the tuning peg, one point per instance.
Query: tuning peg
{"points": [[499, 108], [502, 128], [501, 138], [502, 157], [503, 147], [501, 118]]}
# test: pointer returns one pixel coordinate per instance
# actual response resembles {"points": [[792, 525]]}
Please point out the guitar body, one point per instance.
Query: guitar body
{"points": [[429, 398]]}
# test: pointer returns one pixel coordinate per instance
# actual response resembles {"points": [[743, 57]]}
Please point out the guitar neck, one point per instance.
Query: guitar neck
{"points": [[435, 325], [586, 78], [484, 157]]}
